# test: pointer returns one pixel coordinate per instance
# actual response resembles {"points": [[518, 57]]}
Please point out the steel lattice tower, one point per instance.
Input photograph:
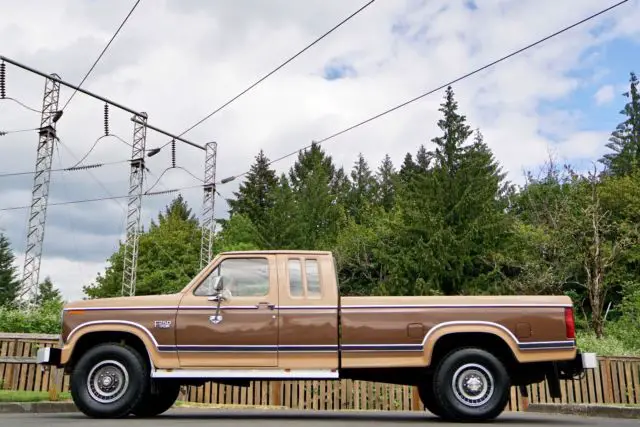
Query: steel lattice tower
{"points": [[40, 191], [208, 215], [136, 181]]}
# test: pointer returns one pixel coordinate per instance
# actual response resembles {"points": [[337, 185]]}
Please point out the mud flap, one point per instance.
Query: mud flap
{"points": [[553, 382]]}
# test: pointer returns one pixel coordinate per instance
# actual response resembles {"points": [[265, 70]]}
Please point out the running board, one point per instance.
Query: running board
{"points": [[317, 374]]}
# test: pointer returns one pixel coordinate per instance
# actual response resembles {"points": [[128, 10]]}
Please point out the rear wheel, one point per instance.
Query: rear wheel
{"points": [[109, 380], [428, 397], [157, 401], [471, 384]]}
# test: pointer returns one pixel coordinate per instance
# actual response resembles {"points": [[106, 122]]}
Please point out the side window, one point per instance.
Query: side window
{"points": [[243, 277], [310, 285], [295, 278], [313, 278]]}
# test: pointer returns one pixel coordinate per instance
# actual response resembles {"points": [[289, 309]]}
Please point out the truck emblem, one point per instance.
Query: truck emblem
{"points": [[162, 324]]}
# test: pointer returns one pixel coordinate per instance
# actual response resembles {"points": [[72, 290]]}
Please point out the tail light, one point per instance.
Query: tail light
{"points": [[570, 322]]}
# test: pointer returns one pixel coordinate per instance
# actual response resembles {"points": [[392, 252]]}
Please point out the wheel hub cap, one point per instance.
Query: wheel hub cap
{"points": [[107, 381], [473, 385]]}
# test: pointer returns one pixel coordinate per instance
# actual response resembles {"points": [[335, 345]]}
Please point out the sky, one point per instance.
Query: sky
{"points": [[178, 60]]}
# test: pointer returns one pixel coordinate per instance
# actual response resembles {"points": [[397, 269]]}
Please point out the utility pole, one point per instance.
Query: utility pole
{"points": [[40, 192], [208, 215], [136, 181]]}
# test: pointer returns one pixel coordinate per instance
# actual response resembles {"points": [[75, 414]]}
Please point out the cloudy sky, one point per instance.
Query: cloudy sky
{"points": [[178, 60]]}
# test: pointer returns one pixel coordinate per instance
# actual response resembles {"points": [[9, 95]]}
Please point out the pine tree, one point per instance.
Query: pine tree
{"points": [[625, 140], [9, 284], [363, 189], [47, 293], [168, 256], [386, 184], [313, 181], [255, 195]]}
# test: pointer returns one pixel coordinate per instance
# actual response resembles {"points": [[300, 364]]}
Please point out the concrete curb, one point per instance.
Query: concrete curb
{"points": [[609, 411], [36, 407]]}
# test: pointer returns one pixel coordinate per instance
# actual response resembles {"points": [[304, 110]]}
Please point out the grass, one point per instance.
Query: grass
{"points": [[29, 396]]}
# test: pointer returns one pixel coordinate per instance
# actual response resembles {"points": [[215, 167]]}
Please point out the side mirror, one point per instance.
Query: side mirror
{"points": [[218, 285]]}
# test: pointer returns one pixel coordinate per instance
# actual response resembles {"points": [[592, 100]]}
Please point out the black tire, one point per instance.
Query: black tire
{"points": [[156, 403], [129, 381], [487, 372], [428, 396]]}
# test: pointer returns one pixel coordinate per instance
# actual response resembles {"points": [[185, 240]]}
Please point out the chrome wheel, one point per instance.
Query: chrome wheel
{"points": [[473, 385], [107, 381]]}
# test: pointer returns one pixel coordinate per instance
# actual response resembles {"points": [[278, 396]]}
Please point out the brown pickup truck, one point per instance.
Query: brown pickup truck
{"points": [[279, 315]]}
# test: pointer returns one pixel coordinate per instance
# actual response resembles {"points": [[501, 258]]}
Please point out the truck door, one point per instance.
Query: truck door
{"points": [[244, 333]]}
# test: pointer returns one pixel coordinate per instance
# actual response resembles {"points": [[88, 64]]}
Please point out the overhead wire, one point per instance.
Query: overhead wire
{"points": [[67, 169], [102, 53], [465, 76], [22, 104], [220, 108]]}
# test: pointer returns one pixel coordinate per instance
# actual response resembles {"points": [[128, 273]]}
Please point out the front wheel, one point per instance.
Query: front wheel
{"points": [[472, 385], [108, 381]]}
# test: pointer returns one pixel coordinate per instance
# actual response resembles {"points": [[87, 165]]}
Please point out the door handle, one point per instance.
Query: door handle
{"points": [[267, 305]]}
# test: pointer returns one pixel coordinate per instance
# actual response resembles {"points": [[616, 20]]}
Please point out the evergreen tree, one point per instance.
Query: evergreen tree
{"points": [[255, 195], [625, 140], [363, 189], [47, 293], [9, 283], [385, 176], [168, 256], [313, 181]]}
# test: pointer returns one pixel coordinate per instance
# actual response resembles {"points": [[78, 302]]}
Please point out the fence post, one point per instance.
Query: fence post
{"points": [[276, 393], [415, 399]]}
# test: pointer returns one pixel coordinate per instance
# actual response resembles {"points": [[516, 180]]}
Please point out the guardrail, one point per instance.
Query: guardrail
{"points": [[616, 381]]}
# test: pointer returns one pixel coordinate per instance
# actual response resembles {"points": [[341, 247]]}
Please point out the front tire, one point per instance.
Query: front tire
{"points": [[109, 380], [471, 384]]}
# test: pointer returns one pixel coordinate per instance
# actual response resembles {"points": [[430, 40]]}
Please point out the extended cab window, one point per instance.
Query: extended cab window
{"points": [[243, 277], [311, 278]]}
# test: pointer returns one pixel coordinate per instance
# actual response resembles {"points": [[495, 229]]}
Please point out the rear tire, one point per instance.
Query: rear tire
{"points": [[471, 384], [156, 403], [428, 396], [109, 380]]}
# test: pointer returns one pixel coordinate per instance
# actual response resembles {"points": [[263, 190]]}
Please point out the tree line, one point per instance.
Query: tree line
{"points": [[446, 221]]}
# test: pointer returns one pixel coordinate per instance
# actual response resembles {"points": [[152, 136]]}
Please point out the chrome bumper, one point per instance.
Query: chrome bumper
{"points": [[48, 356]]}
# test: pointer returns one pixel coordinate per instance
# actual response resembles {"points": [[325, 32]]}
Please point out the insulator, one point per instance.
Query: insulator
{"points": [[173, 153], [106, 119], [3, 88]]}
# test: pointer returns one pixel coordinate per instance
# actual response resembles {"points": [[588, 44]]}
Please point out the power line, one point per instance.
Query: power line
{"points": [[404, 104], [102, 53], [278, 68], [98, 199], [69, 169]]}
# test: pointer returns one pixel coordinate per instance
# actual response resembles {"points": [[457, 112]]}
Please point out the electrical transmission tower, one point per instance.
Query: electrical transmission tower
{"points": [[136, 181], [208, 215], [40, 191]]}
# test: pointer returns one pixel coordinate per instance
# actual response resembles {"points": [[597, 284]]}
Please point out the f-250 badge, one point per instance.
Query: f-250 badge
{"points": [[162, 324]]}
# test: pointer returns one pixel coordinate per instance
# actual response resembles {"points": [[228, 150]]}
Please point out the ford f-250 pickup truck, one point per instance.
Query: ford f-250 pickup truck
{"points": [[279, 315]]}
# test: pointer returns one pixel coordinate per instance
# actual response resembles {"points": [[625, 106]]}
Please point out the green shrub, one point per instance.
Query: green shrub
{"points": [[43, 320]]}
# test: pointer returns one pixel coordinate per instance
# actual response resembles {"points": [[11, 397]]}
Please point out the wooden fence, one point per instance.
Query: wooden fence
{"points": [[617, 381]]}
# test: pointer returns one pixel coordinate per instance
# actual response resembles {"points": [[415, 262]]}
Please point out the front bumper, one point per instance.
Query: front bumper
{"points": [[48, 356]]}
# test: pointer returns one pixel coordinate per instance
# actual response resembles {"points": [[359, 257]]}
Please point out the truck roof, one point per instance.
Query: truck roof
{"points": [[278, 251]]}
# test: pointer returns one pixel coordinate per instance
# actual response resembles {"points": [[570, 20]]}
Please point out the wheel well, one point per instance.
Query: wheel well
{"points": [[486, 341], [92, 339]]}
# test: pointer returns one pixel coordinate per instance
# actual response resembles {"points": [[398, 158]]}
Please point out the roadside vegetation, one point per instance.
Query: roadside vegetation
{"points": [[444, 222]]}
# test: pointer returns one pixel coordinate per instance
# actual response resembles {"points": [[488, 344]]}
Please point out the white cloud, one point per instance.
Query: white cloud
{"points": [[179, 59], [605, 95]]}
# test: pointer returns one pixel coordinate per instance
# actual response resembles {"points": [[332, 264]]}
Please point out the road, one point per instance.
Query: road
{"points": [[290, 418]]}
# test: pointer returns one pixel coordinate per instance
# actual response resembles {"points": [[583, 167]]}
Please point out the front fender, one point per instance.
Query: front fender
{"points": [[164, 360]]}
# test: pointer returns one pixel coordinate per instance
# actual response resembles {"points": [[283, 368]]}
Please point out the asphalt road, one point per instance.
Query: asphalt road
{"points": [[289, 418]]}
